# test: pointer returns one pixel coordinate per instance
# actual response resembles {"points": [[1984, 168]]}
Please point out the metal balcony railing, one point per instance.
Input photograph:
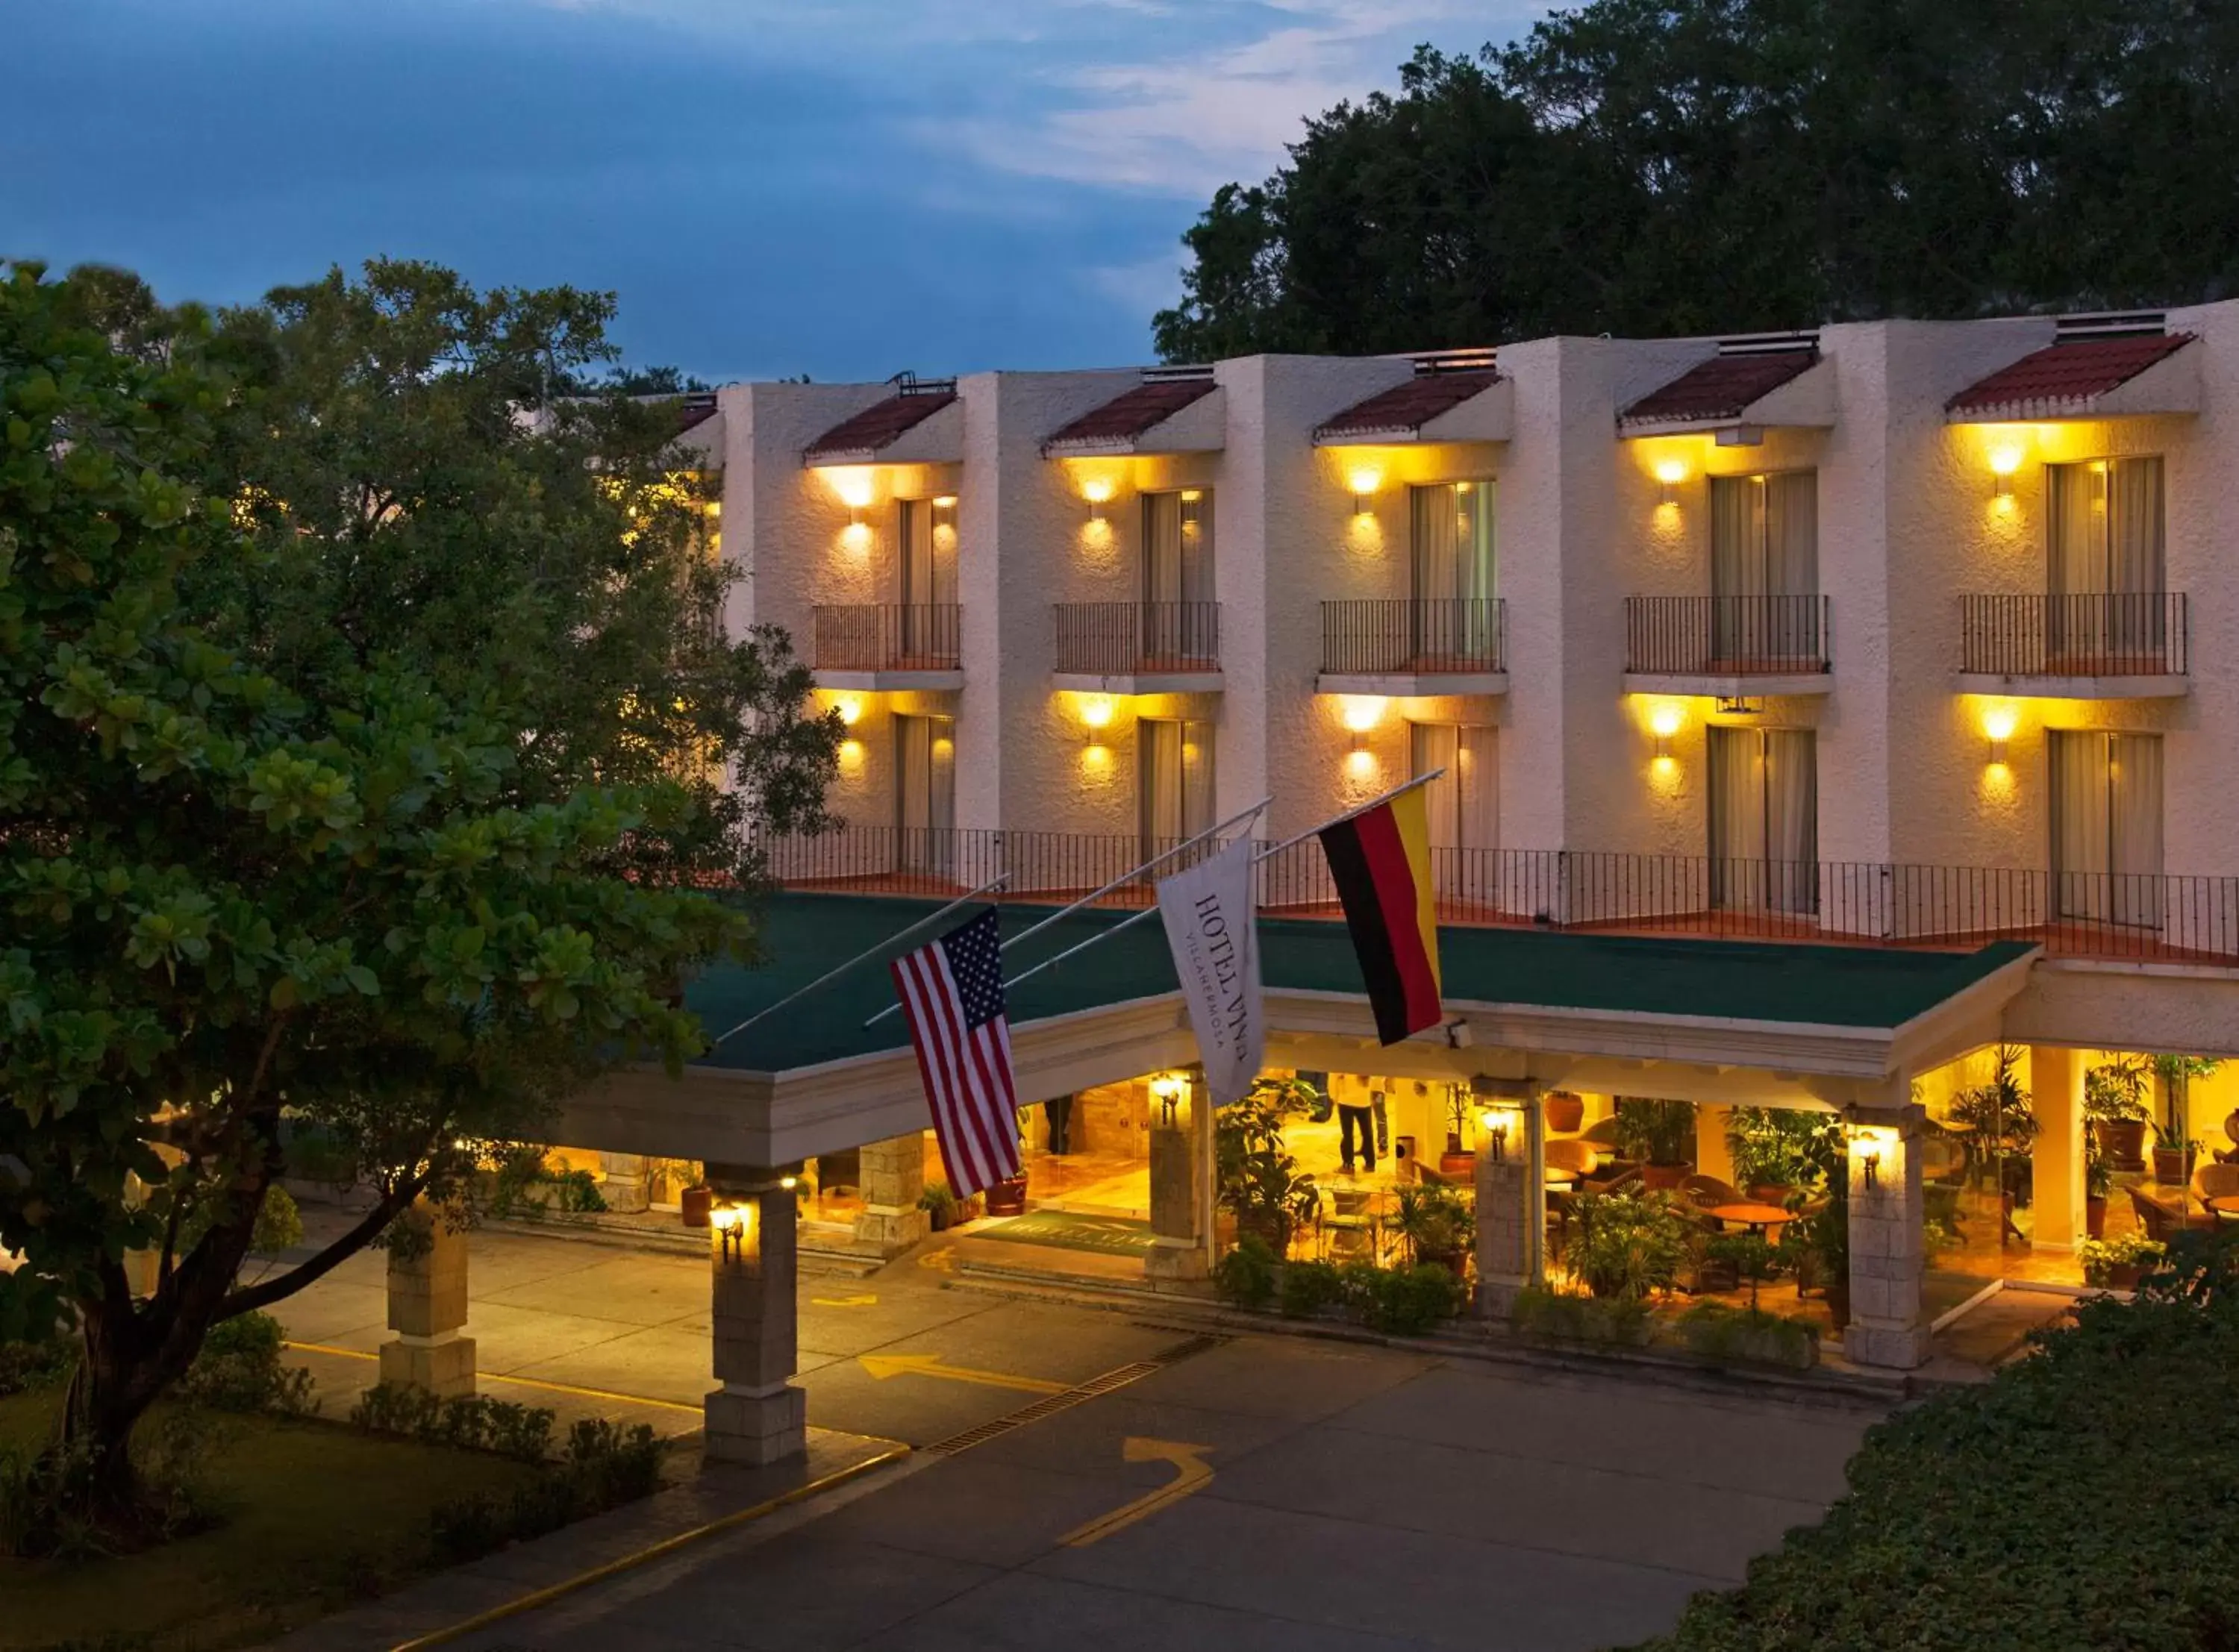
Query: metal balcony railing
{"points": [[1414, 636], [886, 636], [2171, 917], [1120, 639], [1721, 636], [2110, 633]]}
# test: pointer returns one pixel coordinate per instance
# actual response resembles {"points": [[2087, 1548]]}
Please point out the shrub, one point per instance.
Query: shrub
{"points": [[470, 1422], [43, 1364], [1629, 1242], [2037, 1510], [2101, 1256], [240, 1369], [1245, 1276], [1407, 1302], [1717, 1331], [1616, 1321], [604, 1465], [43, 1495], [1309, 1287]]}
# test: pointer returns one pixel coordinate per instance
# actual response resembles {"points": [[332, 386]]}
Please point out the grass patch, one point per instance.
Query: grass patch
{"points": [[316, 1514]]}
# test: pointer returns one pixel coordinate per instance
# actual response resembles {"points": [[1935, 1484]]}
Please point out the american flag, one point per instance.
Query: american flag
{"points": [[951, 992]]}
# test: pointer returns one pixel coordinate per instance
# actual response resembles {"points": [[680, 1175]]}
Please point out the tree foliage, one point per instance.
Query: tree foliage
{"points": [[1664, 165], [362, 719]]}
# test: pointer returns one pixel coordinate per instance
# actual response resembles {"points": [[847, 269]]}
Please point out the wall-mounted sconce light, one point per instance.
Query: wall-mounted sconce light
{"points": [[850, 710], [945, 501], [1097, 490], [732, 1227], [1167, 1089], [1663, 722], [1998, 726], [2004, 461], [1361, 712], [1364, 479], [1499, 1125], [1096, 716], [1871, 1158], [1670, 473]]}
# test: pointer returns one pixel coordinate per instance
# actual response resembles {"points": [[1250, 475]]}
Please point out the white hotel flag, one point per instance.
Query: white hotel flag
{"points": [[1207, 913]]}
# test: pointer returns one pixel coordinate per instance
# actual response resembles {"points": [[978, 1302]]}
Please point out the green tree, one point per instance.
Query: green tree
{"points": [[1660, 166], [247, 869]]}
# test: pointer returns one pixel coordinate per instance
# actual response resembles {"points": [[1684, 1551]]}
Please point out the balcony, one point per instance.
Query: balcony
{"points": [[1408, 646], [1139, 647], [1735, 647], [2115, 644], [876, 646], [2165, 918]]}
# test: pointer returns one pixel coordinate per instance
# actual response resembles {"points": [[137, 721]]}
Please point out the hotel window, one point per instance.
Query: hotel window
{"points": [[1464, 803], [1765, 567], [928, 581], [1765, 819], [1453, 531], [1179, 626], [2106, 561], [1174, 782], [2107, 826], [925, 793]]}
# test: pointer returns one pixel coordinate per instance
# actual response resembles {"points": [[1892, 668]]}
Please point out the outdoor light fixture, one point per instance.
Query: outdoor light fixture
{"points": [[1663, 722], [1364, 479], [1670, 473], [945, 501], [1998, 724], [1097, 490], [1497, 1123], [849, 709], [732, 1224], [788, 1183], [1095, 716], [1361, 712], [1871, 1158], [1167, 1087], [2003, 462]]}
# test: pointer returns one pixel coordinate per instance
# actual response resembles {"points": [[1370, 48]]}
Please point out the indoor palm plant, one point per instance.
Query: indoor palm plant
{"points": [[2115, 1107], [1437, 1224], [1261, 1183], [1660, 1137], [1629, 1243], [1771, 1151]]}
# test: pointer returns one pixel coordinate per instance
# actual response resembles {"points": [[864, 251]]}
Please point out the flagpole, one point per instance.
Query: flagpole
{"points": [[841, 969], [1133, 918], [1124, 878]]}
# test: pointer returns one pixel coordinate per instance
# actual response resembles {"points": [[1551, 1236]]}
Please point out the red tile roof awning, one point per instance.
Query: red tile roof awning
{"points": [[875, 427], [1130, 414], [1406, 409], [2064, 378], [1722, 387]]}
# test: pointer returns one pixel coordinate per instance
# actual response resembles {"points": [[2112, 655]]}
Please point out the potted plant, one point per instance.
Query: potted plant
{"points": [[1996, 1125], [1454, 1161], [2099, 1183], [1629, 1243], [2117, 1263], [696, 1204], [940, 1203], [1771, 1151], [1565, 1112], [2115, 1107], [2174, 1157], [1660, 1137], [2177, 1074], [1438, 1227], [1259, 1184]]}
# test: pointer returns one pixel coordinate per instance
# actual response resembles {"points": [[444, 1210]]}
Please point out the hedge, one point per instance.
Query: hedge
{"points": [[2088, 1496]]}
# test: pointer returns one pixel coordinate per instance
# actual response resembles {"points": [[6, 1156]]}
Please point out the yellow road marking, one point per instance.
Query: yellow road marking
{"points": [[518, 1382], [1190, 1475], [845, 1302], [884, 1365], [942, 1260]]}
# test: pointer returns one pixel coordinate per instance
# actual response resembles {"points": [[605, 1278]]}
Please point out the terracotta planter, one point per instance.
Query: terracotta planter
{"points": [[2121, 1142], [1009, 1199], [2117, 1276], [1457, 1164], [2095, 1218], [1664, 1179], [1771, 1193], [2171, 1167], [694, 1204], [1565, 1112], [1454, 1262]]}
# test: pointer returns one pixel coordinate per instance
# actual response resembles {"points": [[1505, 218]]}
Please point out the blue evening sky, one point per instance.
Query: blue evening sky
{"points": [[843, 189]]}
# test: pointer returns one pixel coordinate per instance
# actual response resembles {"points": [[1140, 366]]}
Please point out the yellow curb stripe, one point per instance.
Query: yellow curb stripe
{"points": [[518, 1382], [668, 1546]]}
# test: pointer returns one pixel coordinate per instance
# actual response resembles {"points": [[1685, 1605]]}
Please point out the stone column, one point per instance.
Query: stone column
{"points": [[1511, 1212], [1888, 1327], [2056, 1168], [1178, 1250], [1712, 1156], [893, 1177], [428, 1304], [622, 1182], [757, 1415]]}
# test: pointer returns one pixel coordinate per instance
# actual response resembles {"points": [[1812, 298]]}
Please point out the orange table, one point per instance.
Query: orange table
{"points": [[1754, 1216], [2223, 1204]]}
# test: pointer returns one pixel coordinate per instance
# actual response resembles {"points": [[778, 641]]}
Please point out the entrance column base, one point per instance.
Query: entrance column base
{"points": [[756, 1426], [1170, 1259], [442, 1365]]}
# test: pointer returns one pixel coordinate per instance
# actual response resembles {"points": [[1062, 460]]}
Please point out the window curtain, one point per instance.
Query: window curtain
{"points": [[1736, 815], [2080, 855], [1764, 546], [924, 792], [928, 578], [1791, 564], [1791, 819], [1178, 570], [2134, 828], [2137, 554], [1454, 528], [1463, 804], [1176, 779]]}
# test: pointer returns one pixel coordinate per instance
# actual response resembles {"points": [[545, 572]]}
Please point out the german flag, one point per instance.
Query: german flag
{"points": [[1381, 861]]}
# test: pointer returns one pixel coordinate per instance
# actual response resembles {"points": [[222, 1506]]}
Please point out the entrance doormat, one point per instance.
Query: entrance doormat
{"points": [[1108, 1235]]}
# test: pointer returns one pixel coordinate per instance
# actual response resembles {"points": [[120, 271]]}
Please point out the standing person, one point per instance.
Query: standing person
{"points": [[1356, 1118], [1057, 1110]]}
